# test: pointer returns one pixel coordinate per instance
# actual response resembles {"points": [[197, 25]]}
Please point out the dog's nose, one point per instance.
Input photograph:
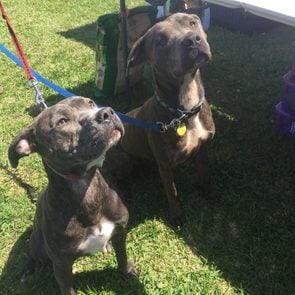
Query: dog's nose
{"points": [[104, 114], [192, 40]]}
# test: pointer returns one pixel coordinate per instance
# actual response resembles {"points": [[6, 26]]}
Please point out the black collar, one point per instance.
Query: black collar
{"points": [[182, 113], [179, 115]]}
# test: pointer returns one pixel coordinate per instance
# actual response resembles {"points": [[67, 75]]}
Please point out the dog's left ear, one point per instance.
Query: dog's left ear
{"points": [[22, 145], [137, 53]]}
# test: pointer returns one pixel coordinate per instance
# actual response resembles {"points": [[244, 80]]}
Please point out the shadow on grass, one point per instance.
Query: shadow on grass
{"points": [[86, 89], [31, 193], [42, 281], [85, 34], [247, 234]]}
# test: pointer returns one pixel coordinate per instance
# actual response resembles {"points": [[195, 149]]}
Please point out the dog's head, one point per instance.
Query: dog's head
{"points": [[174, 47], [69, 136]]}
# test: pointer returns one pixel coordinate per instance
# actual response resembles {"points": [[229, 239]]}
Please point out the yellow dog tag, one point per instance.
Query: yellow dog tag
{"points": [[181, 130]]}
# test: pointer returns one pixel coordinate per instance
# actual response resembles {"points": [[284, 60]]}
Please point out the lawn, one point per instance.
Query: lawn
{"points": [[241, 244]]}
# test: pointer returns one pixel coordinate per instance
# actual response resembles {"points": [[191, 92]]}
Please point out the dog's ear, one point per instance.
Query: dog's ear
{"points": [[22, 145], [137, 53]]}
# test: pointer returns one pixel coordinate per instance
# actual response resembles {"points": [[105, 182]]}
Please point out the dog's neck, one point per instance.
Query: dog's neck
{"points": [[80, 173], [77, 173], [190, 92], [180, 94], [75, 189]]}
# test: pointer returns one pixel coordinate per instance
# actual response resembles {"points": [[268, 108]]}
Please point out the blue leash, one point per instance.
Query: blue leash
{"points": [[40, 78], [129, 120]]}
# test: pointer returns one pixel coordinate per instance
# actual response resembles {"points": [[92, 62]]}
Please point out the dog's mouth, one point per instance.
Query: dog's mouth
{"points": [[115, 137], [194, 59], [194, 53], [96, 145], [198, 55], [116, 133]]}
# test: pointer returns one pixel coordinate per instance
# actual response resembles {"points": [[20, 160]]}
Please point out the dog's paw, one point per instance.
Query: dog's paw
{"points": [[176, 215], [130, 270], [28, 269], [177, 221], [108, 247]]}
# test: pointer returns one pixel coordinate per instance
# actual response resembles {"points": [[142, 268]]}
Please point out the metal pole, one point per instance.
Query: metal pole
{"points": [[123, 14]]}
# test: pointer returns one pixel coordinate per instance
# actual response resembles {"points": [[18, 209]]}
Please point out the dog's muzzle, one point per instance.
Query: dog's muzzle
{"points": [[106, 115], [197, 48], [192, 40]]}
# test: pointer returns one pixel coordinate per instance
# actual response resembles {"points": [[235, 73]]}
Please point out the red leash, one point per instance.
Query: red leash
{"points": [[32, 81], [17, 45]]}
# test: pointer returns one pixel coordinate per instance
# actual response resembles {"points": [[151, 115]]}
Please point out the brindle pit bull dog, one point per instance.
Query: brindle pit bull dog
{"points": [[78, 213], [176, 48]]}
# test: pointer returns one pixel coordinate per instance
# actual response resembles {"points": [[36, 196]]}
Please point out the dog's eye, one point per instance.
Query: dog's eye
{"points": [[62, 121], [192, 23], [161, 41]]}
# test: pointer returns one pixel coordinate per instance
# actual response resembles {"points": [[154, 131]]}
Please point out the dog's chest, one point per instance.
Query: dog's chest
{"points": [[190, 143], [97, 240], [198, 130], [195, 134]]}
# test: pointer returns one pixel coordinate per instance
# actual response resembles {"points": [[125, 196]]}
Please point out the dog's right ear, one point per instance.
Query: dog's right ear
{"points": [[22, 145], [137, 53]]}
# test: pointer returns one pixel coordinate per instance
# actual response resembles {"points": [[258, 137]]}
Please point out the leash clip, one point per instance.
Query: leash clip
{"points": [[39, 99], [175, 123], [163, 127]]}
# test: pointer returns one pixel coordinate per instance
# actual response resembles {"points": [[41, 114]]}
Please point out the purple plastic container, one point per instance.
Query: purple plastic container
{"points": [[285, 119]]}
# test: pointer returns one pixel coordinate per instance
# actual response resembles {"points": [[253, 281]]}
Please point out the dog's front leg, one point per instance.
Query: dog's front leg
{"points": [[201, 164], [119, 243], [64, 276], [203, 173], [177, 217]]}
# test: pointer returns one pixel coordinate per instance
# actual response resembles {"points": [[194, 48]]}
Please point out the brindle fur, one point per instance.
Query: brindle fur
{"points": [[175, 48], [70, 136]]}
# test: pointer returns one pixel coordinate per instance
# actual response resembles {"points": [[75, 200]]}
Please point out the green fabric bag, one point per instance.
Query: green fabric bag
{"points": [[110, 76]]}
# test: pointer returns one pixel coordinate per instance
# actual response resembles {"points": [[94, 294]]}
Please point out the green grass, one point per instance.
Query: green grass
{"points": [[241, 244]]}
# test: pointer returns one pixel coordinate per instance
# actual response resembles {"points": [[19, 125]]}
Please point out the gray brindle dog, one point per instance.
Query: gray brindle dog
{"points": [[77, 213], [175, 48]]}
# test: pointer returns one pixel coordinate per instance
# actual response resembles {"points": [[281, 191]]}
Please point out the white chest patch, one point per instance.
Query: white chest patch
{"points": [[201, 132], [197, 132], [191, 141], [97, 241]]}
